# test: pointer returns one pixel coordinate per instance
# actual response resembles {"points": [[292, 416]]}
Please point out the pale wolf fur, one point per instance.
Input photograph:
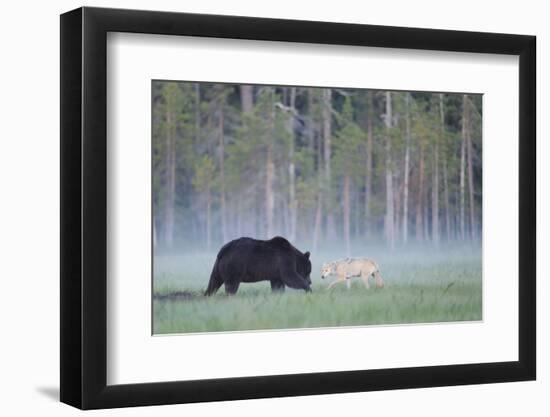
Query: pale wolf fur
{"points": [[348, 268]]}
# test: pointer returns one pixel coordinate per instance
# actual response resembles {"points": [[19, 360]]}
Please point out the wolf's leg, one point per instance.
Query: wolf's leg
{"points": [[333, 283], [339, 278], [365, 279], [378, 279]]}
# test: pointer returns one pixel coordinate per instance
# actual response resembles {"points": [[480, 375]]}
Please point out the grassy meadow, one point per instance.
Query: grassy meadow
{"points": [[421, 286]]}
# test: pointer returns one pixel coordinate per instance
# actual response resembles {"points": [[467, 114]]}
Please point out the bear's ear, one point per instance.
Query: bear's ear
{"points": [[306, 255]]}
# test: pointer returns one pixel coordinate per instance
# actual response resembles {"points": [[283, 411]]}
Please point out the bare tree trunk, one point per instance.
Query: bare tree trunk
{"points": [[222, 175], [346, 207], [406, 173], [317, 224], [270, 172], [456, 213], [310, 123], [389, 220], [473, 226], [247, 98], [291, 169], [420, 196], [397, 205], [426, 221], [327, 117], [197, 113], [239, 218], [368, 176], [155, 242], [448, 230], [208, 220], [320, 179], [435, 193], [445, 179], [269, 198], [254, 209], [462, 167], [356, 225], [169, 215]]}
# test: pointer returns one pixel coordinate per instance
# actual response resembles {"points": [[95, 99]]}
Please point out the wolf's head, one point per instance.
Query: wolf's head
{"points": [[327, 269]]}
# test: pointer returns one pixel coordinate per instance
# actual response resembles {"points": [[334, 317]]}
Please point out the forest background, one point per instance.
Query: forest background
{"points": [[320, 166]]}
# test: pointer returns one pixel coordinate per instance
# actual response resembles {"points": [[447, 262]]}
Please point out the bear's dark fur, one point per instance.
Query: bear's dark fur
{"points": [[251, 260]]}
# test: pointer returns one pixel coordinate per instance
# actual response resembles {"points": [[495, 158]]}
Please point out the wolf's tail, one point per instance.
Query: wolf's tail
{"points": [[215, 282]]}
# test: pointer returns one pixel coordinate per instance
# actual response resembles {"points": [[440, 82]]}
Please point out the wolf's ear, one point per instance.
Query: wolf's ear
{"points": [[306, 255]]}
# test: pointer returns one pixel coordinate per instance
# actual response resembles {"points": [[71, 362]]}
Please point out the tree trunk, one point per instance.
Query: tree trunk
{"points": [[357, 221], [239, 218], [368, 176], [310, 121], [317, 224], [426, 221], [320, 178], [247, 98], [406, 173], [462, 167], [154, 233], [327, 117], [389, 176], [270, 172], [456, 212], [397, 205], [291, 170], [346, 207], [473, 226], [208, 221], [445, 179], [253, 207], [419, 227], [435, 192], [197, 113], [222, 175], [169, 215]]}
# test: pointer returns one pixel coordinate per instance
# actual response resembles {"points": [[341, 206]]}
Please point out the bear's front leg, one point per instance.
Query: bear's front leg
{"points": [[231, 287], [277, 285]]}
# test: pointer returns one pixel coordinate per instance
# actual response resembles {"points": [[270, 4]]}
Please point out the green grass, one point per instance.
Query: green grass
{"points": [[422, 286]]}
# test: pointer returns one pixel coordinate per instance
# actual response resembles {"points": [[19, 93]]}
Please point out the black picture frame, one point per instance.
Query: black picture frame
{"points": [[84, 207]]}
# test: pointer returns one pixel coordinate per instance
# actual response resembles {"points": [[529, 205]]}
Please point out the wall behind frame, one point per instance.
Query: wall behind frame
{"points": [[29, 179]]}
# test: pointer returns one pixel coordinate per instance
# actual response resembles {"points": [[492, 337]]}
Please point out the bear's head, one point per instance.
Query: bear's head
{"points": [[303, 266]]}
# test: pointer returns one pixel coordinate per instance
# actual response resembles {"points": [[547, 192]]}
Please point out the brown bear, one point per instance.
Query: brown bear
{"points": [[251, 260]]}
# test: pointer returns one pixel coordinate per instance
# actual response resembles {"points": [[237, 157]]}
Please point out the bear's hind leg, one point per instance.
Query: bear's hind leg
{"points": [[213, 285]]}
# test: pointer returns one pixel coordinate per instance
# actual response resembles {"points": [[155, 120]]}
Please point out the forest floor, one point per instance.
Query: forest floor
{"points": [[421, 286]]}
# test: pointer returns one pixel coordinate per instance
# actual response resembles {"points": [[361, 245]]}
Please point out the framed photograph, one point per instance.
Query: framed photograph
{"points": [[256, 208]]}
